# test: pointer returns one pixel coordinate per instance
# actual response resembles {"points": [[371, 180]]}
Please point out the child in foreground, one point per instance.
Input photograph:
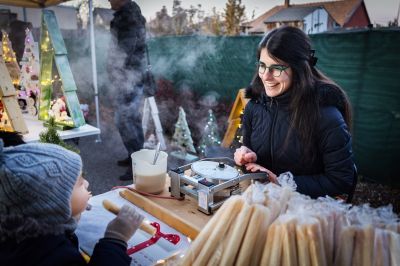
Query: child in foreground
{"points": [[42, 194]]}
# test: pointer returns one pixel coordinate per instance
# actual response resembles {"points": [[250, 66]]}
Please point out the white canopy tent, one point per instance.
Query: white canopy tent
{"points": [[47, 3]]}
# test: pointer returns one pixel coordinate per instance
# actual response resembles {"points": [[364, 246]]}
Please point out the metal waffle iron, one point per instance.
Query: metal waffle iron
{"points": [[211, 181]]}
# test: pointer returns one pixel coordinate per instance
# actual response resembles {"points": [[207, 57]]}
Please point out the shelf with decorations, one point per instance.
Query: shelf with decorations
{"points": [[58, 96]]}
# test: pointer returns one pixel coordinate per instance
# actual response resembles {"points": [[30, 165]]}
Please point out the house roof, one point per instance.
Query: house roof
{"points": [[257, 25], [32, 3], [341, 11], [294, 13]]}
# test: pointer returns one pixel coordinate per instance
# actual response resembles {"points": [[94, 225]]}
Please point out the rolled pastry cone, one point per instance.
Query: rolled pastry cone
{"points": [[394, 240], [345, 252], [219, 231], [302, 245], [289, 257], [223, 248], [261, 236], [316, 244], [256, 232], [357, 253], [394, 227], [341, 222], [381, 249], [327, 227], [235, 237], [273, 247], [216, 257], [202, 239], [368, 233]]}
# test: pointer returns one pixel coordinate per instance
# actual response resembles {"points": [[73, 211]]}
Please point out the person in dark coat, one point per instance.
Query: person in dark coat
{"points": [[297, 119], [126, 66], [42, 195]]}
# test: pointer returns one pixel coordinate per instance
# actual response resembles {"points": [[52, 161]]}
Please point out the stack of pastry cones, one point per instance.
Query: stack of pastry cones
{"points": [[273, 225]]}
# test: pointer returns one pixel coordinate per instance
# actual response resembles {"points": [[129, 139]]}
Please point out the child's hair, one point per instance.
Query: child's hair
{"points": [[11, 138], [36, 182]]}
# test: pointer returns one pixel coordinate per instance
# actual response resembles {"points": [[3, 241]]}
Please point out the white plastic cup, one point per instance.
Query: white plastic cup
{"points": [[149, 177]]}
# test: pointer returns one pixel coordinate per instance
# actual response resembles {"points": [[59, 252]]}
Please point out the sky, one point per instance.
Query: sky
{"points": [[380, 11]]}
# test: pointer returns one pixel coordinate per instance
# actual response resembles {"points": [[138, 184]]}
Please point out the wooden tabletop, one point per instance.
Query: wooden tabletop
{"points": [[186, 209]]}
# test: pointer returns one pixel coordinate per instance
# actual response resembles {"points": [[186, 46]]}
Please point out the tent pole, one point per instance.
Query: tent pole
{"points": [[94, 67]]}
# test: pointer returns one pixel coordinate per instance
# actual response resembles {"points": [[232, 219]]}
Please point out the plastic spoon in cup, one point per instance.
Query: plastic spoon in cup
{"points": [[156, 153]]}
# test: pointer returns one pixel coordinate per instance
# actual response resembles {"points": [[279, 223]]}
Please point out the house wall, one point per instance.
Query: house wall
{"points": [[316, 22], [359, 19], [273, 25], [66, 16]]}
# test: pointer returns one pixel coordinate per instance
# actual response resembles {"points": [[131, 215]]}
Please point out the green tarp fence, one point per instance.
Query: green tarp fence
{"points": [[367, 66], [365, 63]]}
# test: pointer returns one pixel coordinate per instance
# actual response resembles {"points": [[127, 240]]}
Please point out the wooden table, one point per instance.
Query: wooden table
{"points": [[186, 209]]}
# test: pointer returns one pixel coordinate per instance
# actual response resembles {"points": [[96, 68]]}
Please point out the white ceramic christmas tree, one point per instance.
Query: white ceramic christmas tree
{"points": [[29, 80], [182, 137], [210, 136]]}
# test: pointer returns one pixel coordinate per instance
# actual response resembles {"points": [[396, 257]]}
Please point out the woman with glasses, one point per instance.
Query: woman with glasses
{"points": [[297, 120]]}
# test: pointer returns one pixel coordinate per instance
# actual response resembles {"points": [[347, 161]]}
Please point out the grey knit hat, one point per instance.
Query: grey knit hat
{"points": [[36, 182]]}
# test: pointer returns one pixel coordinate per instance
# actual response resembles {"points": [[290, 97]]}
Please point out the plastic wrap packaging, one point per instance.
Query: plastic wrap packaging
{"points": [[272, 224]]}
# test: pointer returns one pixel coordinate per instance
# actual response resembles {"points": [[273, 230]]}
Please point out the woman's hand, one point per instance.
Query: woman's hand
{"points": [[244, 155], [253, 167]]}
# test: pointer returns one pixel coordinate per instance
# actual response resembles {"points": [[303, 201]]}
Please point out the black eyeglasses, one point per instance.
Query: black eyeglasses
{"points": [[275, 70]]}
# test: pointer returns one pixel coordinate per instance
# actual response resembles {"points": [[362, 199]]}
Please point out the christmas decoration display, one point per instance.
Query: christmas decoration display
{"points": [[234, 120], [29, 78], [50, 135], [9, 59], [10, 114], [238, 139], [210, 136], [58, 110], [182, 137], [59, 85], [4, 123]]}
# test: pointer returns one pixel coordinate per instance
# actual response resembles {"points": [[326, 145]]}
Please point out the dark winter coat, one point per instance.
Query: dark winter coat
{"points": [[265, 127], [60, 250], [128, 28]]}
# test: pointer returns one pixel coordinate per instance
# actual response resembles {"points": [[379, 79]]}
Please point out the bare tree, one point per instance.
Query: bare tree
{"points": [[234, 16], [162, 24], [216, 23]]}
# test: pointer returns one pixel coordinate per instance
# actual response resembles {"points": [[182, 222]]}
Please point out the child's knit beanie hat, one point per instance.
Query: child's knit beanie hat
{"points": [[36, 182]]}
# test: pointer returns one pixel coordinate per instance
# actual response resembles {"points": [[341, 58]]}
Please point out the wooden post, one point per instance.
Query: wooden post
{"points": [[234, 118]]}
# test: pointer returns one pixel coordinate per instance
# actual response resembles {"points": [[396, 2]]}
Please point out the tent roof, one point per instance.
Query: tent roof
{"points": [[32, 3]]}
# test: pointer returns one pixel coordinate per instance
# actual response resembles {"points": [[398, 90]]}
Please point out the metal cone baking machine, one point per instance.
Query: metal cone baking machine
{"points": [[211, 182]]}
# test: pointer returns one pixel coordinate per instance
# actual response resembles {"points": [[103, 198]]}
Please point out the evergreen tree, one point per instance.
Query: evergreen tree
{"points": [[182, 137], [215, 22], [51, 136], [210, 136], [234, 15]]}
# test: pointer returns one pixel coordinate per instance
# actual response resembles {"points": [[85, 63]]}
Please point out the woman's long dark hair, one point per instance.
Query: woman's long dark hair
{"points": [[292, 46]]}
